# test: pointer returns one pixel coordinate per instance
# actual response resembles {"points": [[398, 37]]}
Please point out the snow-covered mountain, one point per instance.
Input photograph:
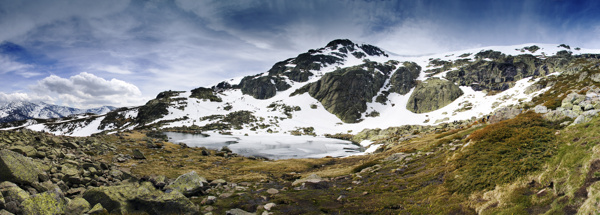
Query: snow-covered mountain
{"points": [[346, 87], [21, 110]]}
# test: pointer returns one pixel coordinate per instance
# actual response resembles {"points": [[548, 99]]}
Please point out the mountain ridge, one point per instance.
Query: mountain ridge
{"points": [[23, 110], [288, 96]]}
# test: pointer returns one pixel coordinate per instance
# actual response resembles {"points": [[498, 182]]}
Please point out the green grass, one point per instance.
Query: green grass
{"points": [[502, 152]]}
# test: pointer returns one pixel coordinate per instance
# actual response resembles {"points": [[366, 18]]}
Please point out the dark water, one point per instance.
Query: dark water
{"points": [[272, 146]]}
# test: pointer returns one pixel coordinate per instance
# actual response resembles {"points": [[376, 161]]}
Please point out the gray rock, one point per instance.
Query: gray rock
{"points": [[159, 181], [137, 154], [28, 151], [588, 106], [541, 109], [71, 144], [269, 206], [567, 105], [432, 95], [504, 113], [97, 209], [209, 200], [272, 191], [77, 206], [137, 198], [50, 202], [595, 77], [18, 168], [5, 212], [397, 157], [582, 76], [237, 211], [577, 109], [218, 182], [311, 179], [585, 117], [189, 184]]}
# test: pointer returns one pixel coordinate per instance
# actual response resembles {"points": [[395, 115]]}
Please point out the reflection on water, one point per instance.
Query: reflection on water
{"points": [[272, 146]]}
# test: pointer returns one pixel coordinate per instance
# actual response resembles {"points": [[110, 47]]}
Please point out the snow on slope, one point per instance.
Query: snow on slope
{"points": [[394, 113]]}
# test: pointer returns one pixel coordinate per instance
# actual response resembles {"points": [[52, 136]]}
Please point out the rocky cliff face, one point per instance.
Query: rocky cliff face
{"points": [[405, 78], [345, 92], [432, 95], [495, 71]]}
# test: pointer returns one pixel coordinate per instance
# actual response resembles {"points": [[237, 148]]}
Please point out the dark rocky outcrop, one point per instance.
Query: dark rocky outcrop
{"points": [[495, 71], [156, 108], [263, 87], [345, 92], [404, 78], [432, 95], [205, 94]]}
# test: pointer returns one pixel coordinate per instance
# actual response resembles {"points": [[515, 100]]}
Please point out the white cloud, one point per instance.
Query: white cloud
{"points": [[7, 65], [87, 90], [19, 96]]}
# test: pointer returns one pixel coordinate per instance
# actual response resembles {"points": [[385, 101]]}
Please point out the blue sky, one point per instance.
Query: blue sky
{"points": [[117, 52]]}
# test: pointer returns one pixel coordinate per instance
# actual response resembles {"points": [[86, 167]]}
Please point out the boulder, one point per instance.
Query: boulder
{"points": [[137, 154], [540, 109], [272, 191], [97, 210], [269, 206], [237, 211], [50, 202], [432, 95], [77, 206], [397, 157], [505, 113], [585, 117], [28, 151], [5, 212], [12, 192], [189, 184], [595, 77], [310, 179], [139, 198], [159, 181], [17, 168]]}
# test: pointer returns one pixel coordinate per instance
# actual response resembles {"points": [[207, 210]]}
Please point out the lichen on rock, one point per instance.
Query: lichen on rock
{"points": [[17, 168]]}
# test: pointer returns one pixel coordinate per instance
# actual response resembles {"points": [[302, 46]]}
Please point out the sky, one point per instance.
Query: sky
{"points": [[89, 53]]}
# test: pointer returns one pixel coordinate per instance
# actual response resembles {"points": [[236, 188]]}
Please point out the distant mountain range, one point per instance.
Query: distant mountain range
{"points": [[17, 111]]}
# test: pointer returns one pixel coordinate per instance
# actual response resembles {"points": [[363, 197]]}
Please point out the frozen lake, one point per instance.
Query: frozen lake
{"points": [[272, 146]]}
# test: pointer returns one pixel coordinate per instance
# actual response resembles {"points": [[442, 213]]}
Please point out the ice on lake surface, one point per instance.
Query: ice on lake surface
{"points": [[272, 146]]}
